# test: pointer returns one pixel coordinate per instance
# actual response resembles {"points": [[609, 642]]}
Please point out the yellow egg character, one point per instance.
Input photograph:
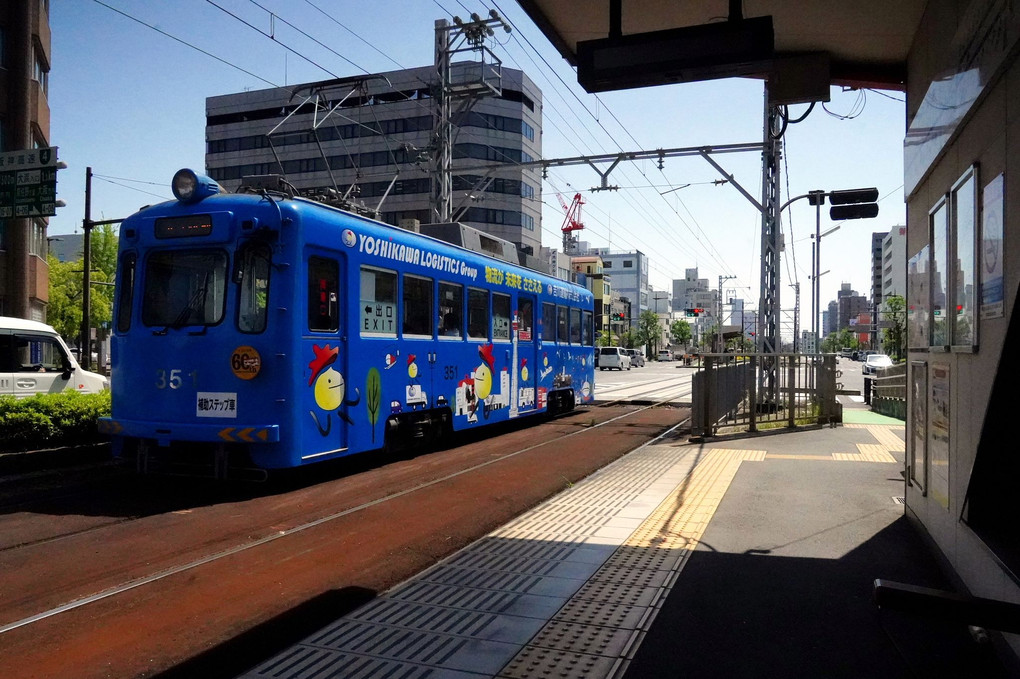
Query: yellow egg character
{"points": [[329, 390], [483, 381], [412, 370]]}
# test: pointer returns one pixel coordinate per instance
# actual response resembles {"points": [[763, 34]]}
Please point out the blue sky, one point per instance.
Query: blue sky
{"points": [[129, 101]]}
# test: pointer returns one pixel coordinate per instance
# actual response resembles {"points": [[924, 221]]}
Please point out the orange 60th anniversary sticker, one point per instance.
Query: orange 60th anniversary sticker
{"points": [[246, 362]]}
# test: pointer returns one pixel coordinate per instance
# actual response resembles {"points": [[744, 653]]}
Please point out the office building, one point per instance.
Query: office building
{"points": [[894, 263], [371, 138], [629, 274]]}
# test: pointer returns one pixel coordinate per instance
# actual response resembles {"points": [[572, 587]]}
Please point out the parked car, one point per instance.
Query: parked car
{"points": [[637, 359], [613, 357], [665, 355], [875, 361], [35, 360]]}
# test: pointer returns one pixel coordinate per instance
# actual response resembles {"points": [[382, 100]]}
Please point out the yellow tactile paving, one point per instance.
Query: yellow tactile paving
{"points": [[888, 443], [887, 437], [596, 632], [867, 452], [680, 521]]}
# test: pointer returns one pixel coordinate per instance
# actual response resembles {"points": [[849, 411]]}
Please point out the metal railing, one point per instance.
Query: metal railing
{"points": [[889, 391], [750, 392]]}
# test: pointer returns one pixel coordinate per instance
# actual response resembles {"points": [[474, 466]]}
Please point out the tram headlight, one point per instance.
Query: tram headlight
{"points": [[189, 186]]}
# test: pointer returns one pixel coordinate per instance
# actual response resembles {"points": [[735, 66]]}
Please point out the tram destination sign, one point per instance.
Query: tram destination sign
{"points": [[28, 183]]}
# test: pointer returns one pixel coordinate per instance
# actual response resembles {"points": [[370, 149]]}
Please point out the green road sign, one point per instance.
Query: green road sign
{"points": [[28, 183]]}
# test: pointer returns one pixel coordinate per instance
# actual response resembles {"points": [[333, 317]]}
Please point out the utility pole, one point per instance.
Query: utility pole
{"points": [[85, 342], [485, 79], [718, 315], [796, 316], [768, 305]]}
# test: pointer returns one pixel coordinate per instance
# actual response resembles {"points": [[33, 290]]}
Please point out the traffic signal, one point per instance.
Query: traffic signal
{"points": [[691, 313], [853, 204]]}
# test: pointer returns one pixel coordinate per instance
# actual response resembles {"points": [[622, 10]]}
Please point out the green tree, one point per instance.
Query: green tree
{"points": [[65, 304], [649, 331], [680, 333], [605, 339], [839, 340], [894, 312], [64, 309]]}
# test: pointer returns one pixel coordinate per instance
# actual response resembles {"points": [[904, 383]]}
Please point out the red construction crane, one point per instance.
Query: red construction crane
{"points": [[572, 222]]}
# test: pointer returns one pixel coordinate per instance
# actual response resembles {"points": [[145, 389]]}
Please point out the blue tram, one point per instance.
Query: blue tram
{"points": [[259, 330]]}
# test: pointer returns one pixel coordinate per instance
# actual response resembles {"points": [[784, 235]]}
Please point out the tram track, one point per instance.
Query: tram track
{"points": [[67, 497], [654, 391], [288, 532], [274, 532]]}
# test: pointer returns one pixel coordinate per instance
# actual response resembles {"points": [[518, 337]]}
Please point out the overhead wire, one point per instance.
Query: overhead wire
{"points": [[703, 239], [186, 43], [296, 52], [651, 219]]}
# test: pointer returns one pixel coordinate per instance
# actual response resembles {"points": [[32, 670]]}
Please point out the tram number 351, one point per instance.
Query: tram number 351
{"points": [[174, 378]]}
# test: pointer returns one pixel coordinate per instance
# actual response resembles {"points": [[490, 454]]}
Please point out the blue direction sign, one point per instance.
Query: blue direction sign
{"points": [[28, 183]]}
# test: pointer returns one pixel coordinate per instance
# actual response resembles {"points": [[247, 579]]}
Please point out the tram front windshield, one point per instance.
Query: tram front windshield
{"points": [[184, 288]]}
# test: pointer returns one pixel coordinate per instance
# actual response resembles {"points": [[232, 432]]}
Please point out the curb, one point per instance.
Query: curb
{"points": [[54, 458]]}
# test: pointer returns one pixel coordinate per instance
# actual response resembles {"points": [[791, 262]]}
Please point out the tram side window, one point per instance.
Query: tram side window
{"points": [[561, 324], [575, 326], [378, 302], [417, 305], [500, 316], [548, 322], [451, 308], [478, 314], [323, 295], [587, 334], [127, 292], [525, 319], [252, 277]]}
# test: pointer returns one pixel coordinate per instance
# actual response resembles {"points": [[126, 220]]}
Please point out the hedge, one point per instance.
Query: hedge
{"points": [[51, 420]]}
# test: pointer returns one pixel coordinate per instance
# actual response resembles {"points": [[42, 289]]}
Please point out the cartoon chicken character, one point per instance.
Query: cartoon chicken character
{"points": [[481, 380], [415, 394], [483, 373], [329, 387]]}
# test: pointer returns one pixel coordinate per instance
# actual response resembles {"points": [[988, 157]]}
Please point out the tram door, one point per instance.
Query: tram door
{"points": [[527, 368], [329, 398]]}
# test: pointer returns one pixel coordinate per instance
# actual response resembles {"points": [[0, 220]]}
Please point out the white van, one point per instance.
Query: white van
{"points": [[613, 357], [35, 360]]}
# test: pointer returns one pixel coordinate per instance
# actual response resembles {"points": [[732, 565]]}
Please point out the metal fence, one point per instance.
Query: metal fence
{"points": [[733, 393], [889, 395]]}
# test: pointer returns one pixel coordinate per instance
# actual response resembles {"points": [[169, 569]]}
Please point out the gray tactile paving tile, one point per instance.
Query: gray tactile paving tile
{"points": [[548, 594]]}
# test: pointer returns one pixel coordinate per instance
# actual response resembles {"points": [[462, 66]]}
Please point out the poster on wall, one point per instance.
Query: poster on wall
{"points": [[917, 300], [919, 425], [940, 412], [992, 282]]}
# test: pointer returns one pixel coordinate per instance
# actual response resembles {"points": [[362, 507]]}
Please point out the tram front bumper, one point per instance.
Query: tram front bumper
{"points": [[164, 433]]}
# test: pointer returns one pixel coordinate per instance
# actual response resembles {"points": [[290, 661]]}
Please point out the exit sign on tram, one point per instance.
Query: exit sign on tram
{"points": [[28, 183]]}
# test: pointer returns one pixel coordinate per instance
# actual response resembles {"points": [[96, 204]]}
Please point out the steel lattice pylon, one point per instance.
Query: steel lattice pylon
{"points": [[768, 305]]}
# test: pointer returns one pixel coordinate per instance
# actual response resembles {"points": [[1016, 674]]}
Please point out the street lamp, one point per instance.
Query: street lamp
{"points": [[816, 289]]}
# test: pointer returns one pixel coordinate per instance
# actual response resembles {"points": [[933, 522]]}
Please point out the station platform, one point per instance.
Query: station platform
{"points": [[720, 559]]}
